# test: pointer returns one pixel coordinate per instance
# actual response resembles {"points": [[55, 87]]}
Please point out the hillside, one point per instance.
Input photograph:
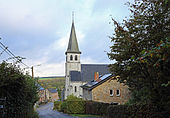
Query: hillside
{"points": [[52, 82]]}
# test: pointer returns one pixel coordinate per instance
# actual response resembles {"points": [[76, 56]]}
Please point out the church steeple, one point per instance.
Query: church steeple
{"points": [[73, 44], [72, 59]]}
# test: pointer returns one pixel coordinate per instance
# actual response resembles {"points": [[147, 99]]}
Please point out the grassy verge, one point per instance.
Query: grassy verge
{"points": [[84, 115]]}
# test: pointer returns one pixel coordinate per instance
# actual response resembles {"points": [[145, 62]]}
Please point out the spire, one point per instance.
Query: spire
{"points": [[73, 45], [73, 17]]}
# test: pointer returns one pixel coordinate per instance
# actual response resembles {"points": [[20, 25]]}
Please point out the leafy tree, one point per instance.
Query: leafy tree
{"points": [[141, 48], [20, 91]]}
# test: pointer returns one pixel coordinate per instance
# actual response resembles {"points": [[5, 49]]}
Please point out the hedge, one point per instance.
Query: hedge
{"points": [[137, 111], [96, 108], [76, 107], [113, 111]]}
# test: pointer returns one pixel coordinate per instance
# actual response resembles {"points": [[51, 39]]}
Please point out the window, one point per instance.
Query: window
{"points": [[111, 92], [71, 57], [115, 103], [75, 89], [76, 57], [118, 92]]}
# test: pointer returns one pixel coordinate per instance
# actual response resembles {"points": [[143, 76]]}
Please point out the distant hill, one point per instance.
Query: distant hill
{"points": [[52, 82], [53, 77]]}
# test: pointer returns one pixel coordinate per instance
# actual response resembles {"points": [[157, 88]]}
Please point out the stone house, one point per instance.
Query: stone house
{"points": [[53, 94], [106, 89], [43, 95]]}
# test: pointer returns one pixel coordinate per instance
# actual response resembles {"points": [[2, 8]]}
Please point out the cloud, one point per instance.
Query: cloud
{"points": [[62, 43], [51, 69], [43, 68], [39, 30], [88, 60]]}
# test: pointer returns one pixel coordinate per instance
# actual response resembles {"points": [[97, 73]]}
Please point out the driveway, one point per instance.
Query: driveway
{"points": [[46, 111]]}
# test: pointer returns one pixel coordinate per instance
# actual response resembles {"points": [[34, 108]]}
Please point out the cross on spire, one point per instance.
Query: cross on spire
{"points": [[73, 16]]}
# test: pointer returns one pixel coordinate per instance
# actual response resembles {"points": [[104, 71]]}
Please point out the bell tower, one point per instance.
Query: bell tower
{"points": [[72, 58]]}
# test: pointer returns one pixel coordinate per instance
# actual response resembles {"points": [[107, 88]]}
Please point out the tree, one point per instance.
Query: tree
{"points": [[20, 91], [141, 46]]}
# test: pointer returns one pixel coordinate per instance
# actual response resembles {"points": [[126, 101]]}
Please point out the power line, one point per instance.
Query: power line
{"points": [[3, 51], [11, 54]]}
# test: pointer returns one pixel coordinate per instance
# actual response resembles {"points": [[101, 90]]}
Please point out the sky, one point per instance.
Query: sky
{"points": [[39, 30]]}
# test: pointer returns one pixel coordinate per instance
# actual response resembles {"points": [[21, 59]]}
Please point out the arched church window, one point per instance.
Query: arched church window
{"points": [[71, 57], [76, 57], [75, 89]]}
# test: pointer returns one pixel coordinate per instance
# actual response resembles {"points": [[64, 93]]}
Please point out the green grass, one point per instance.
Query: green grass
{"points": [[84, 115]]}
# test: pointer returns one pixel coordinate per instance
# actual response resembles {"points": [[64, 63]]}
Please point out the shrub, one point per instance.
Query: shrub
{"points": [[117, 111], [76, 107], [96, 108], [64, 107], [73, 105], [19, 90], [137, 111], [57, 105]]}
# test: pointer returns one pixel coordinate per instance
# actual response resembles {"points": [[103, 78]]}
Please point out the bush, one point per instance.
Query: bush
{"points": [[64, 107], [19, 90], [96, 108], [73, 105], [137, 111], [126, 111], [76, 107], [57, 105], [117, 111]]}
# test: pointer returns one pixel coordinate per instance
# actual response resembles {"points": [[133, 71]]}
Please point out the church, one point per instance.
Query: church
{"points": [[77, 74]]}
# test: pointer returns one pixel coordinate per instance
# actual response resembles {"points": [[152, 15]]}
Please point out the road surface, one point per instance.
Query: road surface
{"points": [[46, 111]]}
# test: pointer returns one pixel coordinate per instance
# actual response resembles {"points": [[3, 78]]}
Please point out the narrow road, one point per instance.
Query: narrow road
{"points": [[46, 111]]}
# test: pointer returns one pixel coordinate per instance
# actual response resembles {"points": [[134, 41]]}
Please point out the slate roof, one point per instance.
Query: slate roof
{"points": [[73, 45], [87, 72], [75, 76], [40, 87], [51, 90], [92, 84]]}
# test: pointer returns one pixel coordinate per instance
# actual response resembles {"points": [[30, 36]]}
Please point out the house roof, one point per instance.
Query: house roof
{"points": [[73, 45], [75, 76], [92, 84], [40, 87], [87, 72], [51, 90]]}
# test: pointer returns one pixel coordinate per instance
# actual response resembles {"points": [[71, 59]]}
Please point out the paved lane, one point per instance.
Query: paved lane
{"points": [[46, 111]]}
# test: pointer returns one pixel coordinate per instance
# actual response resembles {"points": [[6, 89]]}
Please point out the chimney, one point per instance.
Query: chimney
{"points": [[96, 76]]}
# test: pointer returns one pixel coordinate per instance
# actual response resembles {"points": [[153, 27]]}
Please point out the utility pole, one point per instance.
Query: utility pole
{"points": [[32, 69]]}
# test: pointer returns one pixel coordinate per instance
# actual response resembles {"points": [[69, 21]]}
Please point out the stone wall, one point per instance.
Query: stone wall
{"points": [[79, 90], [87, 95], [101, 93], [54, 96]]}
